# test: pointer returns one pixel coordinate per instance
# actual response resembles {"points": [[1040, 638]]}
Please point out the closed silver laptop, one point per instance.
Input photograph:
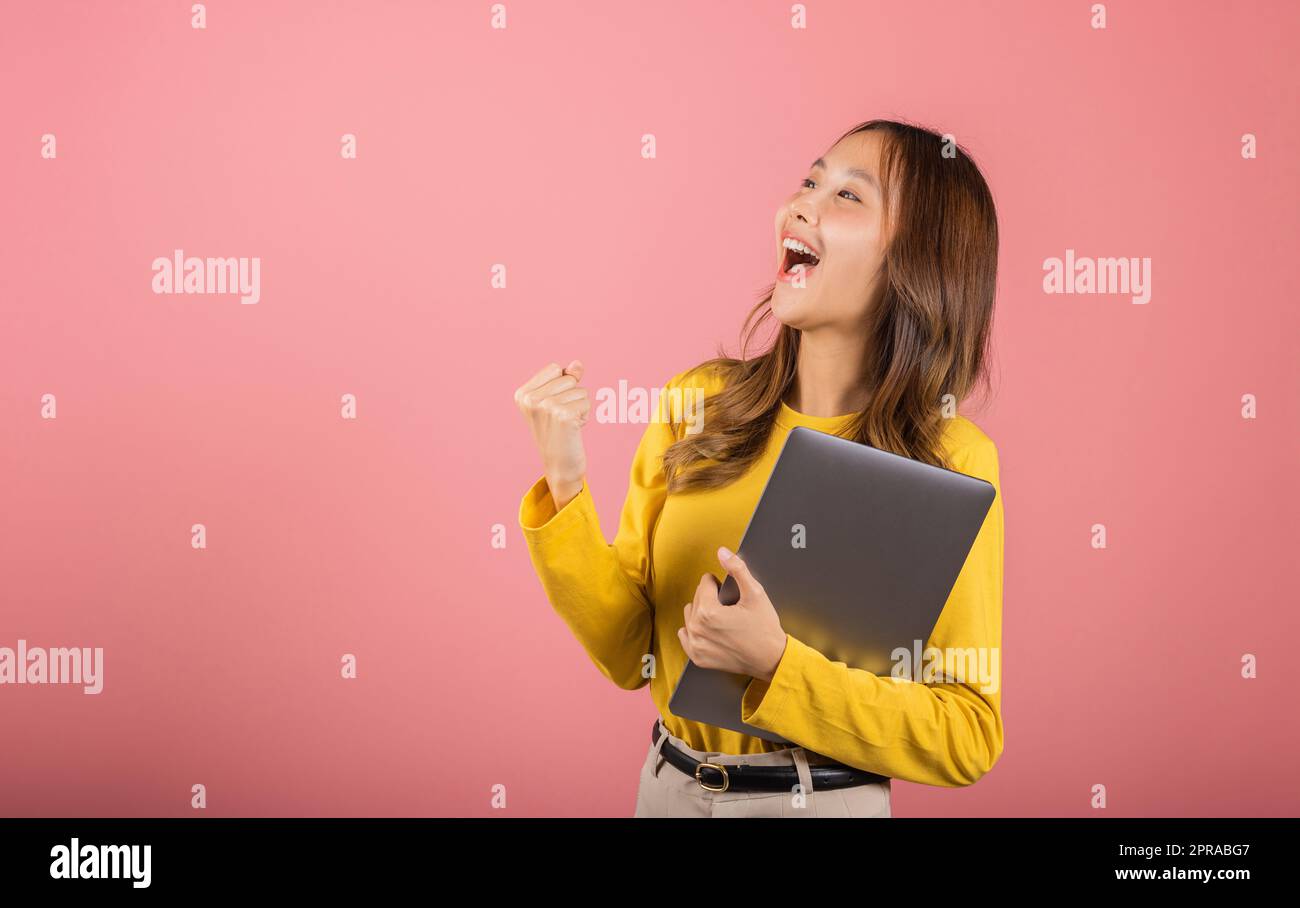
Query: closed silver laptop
{"points": [[857, 548]]}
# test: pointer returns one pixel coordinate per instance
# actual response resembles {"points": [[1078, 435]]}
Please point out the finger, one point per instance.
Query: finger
{"points": [[553, 387], [541, 377], [569, 396], [735, 565], [706, 595], [708, 584], [570, 406], [684, 638], [575, 368]]}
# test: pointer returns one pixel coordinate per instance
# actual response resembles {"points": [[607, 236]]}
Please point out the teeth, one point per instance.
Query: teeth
{"points": [[792, 243]]}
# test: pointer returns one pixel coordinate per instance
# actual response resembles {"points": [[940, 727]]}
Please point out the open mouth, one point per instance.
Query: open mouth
{"points": [[797, 258]]}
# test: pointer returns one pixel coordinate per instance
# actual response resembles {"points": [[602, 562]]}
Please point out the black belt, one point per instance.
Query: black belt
{"points": [[755, 777]]}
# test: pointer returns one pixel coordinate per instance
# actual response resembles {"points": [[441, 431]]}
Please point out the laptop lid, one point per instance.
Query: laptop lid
{"points": [[858, 549]]}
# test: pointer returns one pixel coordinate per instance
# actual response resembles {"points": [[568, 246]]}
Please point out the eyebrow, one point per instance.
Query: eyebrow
{"points": [[858, 172]]}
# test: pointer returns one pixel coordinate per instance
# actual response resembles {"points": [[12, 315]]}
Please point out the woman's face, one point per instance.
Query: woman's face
{"points": [[837, 211]]}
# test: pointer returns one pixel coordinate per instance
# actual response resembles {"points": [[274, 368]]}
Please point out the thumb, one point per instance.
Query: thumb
{"points": [[736, 566], [575, 368]]}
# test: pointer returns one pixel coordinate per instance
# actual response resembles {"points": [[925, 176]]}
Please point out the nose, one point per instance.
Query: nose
{"points": [[803, 211]]}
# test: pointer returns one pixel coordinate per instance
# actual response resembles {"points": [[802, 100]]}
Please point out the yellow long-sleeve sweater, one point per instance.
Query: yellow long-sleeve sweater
{"points": [[625, 601]]}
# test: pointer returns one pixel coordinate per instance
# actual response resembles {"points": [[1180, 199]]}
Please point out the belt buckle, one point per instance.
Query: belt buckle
{"points": [[726, 780]]}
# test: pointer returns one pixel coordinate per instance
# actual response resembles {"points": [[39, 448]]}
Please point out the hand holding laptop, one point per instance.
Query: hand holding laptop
{"points": [[745, 636]]}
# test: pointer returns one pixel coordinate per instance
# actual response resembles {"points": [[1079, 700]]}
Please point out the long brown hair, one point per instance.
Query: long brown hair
{"points": [[928, 322]]}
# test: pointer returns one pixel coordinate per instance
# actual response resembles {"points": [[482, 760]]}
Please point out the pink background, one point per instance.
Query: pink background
{"points": [[1121, 667]]}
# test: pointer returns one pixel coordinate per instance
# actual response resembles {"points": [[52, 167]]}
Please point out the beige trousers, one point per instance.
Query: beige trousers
{"points": [[666, 791]]}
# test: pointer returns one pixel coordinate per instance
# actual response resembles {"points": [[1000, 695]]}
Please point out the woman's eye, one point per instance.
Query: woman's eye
{"points": [[809, 184]]}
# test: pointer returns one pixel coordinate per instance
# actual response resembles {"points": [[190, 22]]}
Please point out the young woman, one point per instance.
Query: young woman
{"points": [[886, 265]]}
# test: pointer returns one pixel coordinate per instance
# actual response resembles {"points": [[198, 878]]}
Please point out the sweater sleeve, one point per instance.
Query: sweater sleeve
{"points": [[937, 732], [599, 589]]}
